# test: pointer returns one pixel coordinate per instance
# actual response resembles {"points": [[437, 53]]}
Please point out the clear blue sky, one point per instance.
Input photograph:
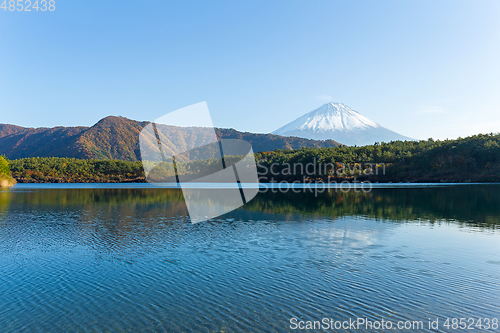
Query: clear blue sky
{"points": [[421, 68]]}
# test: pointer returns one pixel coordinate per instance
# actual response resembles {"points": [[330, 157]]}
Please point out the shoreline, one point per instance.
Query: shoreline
{"points": [[333, 181], [271, 184]]}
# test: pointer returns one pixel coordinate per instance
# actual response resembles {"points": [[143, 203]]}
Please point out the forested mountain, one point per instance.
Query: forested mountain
{"points": [[471, 159], [116, 138]]}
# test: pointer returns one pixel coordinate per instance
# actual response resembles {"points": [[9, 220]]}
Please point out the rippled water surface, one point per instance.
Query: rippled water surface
{"points": [[129, 260]]}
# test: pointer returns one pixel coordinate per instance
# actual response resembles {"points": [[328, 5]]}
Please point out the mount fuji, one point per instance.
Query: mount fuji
{"points": [[339, 122]]}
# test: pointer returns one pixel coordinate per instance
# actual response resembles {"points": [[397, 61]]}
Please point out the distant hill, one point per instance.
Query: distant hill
{"points": [[117, 138], [339, 122]]}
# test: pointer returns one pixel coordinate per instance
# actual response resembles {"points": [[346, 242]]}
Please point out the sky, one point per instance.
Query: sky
{"points": [[421, 68]]}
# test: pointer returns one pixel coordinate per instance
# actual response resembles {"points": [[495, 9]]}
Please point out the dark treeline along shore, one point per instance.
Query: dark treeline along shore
{"points": [[478, 205], [72, 170], [471, 159]]}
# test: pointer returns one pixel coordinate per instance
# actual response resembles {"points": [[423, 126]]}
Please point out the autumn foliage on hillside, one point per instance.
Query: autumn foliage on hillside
{"points": [[71, 170], [472, 159], [118, 138]]}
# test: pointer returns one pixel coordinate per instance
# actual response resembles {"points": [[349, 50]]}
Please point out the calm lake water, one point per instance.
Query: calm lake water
{"points": [[127, 259]]}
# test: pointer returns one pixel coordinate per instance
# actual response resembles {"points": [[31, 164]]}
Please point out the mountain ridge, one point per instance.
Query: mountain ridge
{"points": [[116, 137]]}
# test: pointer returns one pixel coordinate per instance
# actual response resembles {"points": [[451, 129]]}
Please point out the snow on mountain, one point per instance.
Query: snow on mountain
{"points": [[339, 122]]}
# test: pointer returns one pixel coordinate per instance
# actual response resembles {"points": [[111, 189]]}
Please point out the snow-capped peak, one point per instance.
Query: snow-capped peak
{"points": [[337, 121], [330, 116]]}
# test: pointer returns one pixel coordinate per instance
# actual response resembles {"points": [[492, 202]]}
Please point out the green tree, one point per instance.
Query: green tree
{"points": [[6, 179], [4, 166]]}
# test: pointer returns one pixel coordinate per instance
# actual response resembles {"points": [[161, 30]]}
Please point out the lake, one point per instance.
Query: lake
{"points": [[126, 258]]}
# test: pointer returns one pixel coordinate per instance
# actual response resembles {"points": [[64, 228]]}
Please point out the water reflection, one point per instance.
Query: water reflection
{"points": [[479, 204], [129, 259]]}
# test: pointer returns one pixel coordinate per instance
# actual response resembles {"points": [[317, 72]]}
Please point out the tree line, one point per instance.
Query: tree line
{"points": [[72, 170], [471, 159]]}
